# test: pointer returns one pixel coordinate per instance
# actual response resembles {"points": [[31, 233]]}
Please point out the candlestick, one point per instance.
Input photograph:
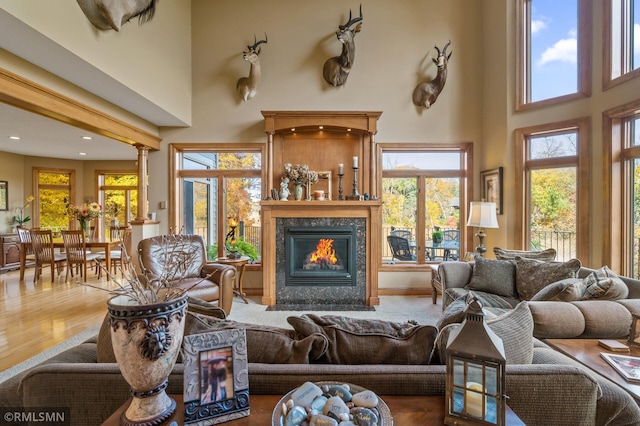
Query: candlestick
{"points": [[354, 194], [340, 175], [355, 162], [341, 169]]}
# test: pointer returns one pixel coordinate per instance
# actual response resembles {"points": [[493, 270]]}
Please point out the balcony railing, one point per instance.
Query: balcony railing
{"points": [[563, 241]]}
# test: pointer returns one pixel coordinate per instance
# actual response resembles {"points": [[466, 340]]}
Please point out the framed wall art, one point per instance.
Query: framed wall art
{"points": [[491, 181], [4, 195], [216, 379]]}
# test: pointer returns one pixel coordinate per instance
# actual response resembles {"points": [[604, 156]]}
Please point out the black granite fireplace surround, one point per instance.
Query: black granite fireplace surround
{"points": [[321, 289]]}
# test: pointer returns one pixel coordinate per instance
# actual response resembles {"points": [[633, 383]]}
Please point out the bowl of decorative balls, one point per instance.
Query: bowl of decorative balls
{"points": [[331, 404]]}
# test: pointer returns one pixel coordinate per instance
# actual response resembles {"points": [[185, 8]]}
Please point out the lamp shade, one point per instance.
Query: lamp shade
{"points": [[482, 214]]}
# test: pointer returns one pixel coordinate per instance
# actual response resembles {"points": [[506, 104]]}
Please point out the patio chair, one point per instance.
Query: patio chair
{"points": [[75, 249], [451, 237], [42, 242], [400, 248]]}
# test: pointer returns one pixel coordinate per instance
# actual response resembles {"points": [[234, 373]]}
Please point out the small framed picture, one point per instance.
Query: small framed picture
{"points": [[634, 332], [216, 379], [4, 195], [491, 181]]}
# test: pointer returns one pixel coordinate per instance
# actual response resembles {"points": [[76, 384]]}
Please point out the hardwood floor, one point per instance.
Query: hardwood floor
{"points": [[37, 316]]}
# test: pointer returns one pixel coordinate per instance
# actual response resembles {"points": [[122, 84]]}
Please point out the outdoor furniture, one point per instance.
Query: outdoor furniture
{"points": [[42, 243], [451, 239], [400, 248], [75, 249]]}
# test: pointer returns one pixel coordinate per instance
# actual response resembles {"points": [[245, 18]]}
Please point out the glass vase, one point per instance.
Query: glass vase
{"points": [[86, 229]]}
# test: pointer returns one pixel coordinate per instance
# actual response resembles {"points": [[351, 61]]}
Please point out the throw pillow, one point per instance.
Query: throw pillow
{"points": [[515, 328], [604, 284], [493, 276], [547, 255], [568, 290], [533, 275], [368, 341]]}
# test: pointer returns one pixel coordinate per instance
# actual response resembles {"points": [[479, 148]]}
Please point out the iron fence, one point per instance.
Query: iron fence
{"points": [[563, 241]]}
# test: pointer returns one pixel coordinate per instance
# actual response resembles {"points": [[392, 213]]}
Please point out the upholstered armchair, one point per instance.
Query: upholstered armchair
{"points": [[215, 281]]}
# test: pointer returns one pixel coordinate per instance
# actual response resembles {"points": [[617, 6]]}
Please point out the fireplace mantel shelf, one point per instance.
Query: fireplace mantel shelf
{"points": [[271, 210]]}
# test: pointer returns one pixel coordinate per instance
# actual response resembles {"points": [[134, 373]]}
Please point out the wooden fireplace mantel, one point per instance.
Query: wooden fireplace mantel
{"points": [[272, 210]]}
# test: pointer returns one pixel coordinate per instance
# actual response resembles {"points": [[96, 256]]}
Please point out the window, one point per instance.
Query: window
{"points": [[621, 223], [213, 183], [553, 48], [552, 188], [424, 191], [53, 188], [118, 194], [621, 41]]}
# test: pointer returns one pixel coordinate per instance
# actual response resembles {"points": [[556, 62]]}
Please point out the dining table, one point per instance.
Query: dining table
{"points": [[105, 244]]}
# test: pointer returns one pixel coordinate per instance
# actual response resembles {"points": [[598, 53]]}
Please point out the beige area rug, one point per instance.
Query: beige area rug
{"points": [[392, 308]]}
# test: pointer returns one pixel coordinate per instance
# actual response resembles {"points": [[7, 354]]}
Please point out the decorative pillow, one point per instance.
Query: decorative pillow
{"points": [[533, 275], [493, 276], [515, 328], [604, 284], [367, 341], [568, 290], [547, 255], [487, 299]]}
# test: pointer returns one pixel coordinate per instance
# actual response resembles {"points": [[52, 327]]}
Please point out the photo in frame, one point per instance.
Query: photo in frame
{"points": [[4, 195], [324, 183], [216, 377], [491, 185]]}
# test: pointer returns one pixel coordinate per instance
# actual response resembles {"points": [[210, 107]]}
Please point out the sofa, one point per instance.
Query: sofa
{"points": [[562, 303], [281, 359]]}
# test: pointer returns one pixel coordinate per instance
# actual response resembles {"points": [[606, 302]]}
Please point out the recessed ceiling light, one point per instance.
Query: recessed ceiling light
{"points": [[87, 138], [15, 138], [82, 153]]}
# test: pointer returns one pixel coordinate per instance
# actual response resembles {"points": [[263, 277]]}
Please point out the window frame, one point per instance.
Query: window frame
{"points": [[176, 151], [616, 189], [523, 57], [100, 176], [35, 217], [465, 174], [625, 53], [580, 161]]}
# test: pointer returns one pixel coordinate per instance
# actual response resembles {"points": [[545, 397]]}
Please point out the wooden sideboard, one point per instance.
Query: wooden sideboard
{"points": [[10, 254]]}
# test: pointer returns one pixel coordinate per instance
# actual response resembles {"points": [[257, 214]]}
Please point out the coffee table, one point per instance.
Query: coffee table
{"points": [[406, 410], [587, 352]]}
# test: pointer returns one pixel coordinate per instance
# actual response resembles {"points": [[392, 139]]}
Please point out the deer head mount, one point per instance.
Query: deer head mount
{"points": [[112, 14], [247, 86], [426, 93], [336, 69]]}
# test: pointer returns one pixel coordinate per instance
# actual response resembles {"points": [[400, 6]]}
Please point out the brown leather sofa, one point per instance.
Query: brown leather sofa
{"points": [[213, 281]]}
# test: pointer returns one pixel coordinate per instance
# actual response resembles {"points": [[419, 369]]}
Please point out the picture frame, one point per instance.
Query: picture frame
{"points": [[4, 195], [626, 365], [216, 377], [491, 185], [325, 176], [634, 332]]}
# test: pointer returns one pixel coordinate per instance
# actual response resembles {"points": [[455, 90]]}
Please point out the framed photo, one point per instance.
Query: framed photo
{"points": [[634, 333], [491, 181], [628, 366], [4, 195], [324, 182], [216, 378]]}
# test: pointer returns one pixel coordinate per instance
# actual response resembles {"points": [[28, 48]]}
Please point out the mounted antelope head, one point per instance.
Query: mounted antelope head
{"points": [[336, 69], [247, 86], [426, 93], [112, 14]]}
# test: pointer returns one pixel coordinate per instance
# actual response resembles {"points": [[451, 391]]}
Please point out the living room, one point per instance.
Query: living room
{"points": [[175, 79]]}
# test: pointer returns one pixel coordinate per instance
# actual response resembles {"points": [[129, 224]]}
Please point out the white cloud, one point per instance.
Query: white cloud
{"points": [[565, 50], [537, 25]]}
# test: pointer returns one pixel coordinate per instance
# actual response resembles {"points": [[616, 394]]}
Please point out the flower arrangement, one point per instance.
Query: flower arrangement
{"points": [[19, 211], [300, 174], [84, 213]]}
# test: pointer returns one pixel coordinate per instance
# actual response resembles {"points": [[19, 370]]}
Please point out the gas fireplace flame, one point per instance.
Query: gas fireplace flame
{"points": [[325, 253]]}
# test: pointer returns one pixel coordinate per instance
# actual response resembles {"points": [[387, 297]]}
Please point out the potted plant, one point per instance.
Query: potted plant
{"points": [[19, 212], [436, 235], [242, 247]]}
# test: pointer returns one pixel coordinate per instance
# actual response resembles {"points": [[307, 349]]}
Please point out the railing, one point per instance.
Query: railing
{"points": [[250, 234], [387, 256], [563, 241]]}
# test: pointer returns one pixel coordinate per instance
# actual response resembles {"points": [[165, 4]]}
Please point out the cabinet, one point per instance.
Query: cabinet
{"points": [[10, 254]]}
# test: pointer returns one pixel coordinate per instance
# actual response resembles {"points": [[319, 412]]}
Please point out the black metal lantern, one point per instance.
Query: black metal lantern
{"points": [[475, 379]]}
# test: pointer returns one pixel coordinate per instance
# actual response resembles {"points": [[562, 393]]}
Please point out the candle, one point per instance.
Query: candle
{"points": [[355, 162], [474, 399], [340, 169]]}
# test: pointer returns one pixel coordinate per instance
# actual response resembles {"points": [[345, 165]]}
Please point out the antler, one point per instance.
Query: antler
{"points": [[257, 43], [350, 22]]}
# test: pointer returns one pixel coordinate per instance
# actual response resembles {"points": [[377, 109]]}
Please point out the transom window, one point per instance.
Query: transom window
{"points": [[621, 41]]}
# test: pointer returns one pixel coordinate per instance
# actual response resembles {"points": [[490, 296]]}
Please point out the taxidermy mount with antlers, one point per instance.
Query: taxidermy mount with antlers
{"points": [[336, 69], [112, 14], [247, 86], [426, 93]]}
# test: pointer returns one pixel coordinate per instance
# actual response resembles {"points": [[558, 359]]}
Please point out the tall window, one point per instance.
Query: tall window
{"points": [[214, 183], [554, 55], [118, 194], [622, 210], [552, 188], [621, 41], [54, 186], [425, 191]]}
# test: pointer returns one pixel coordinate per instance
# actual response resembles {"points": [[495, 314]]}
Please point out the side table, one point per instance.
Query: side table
{"points": [[239, 263], [436, 285]]}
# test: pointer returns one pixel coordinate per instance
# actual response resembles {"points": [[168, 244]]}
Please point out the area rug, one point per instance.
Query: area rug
{"points": [[317, 307]]}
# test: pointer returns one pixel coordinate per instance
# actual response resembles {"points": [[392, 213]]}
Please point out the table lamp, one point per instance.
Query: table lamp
{"points": [[482, 215]]}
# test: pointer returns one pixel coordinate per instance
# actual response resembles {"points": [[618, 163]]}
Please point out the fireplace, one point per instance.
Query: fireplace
{"points": [[320, 256]]}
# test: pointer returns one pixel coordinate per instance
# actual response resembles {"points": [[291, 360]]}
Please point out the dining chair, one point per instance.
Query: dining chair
{"points": [[45, 254], [75, 249], [120, 256]]}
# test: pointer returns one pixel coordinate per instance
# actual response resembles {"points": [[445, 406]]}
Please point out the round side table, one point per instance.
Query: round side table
{"points": [[239, 264]]}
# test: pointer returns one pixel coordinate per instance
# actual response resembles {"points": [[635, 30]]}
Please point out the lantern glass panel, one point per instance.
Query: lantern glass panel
{"points": [[458, 401], [491, 380], [491, 415], [458, 372], [474, 373]]}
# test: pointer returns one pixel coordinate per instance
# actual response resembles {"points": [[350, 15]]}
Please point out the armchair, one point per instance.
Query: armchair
{"points": [[218, 287]]}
